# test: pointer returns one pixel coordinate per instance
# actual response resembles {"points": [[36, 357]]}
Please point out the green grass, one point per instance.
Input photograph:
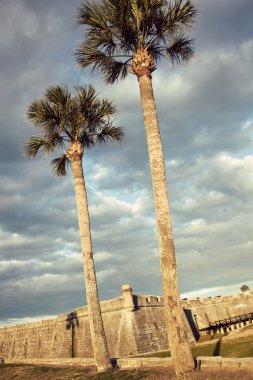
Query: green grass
{"points": [[235, 348], [207, 337], [239, 348]]}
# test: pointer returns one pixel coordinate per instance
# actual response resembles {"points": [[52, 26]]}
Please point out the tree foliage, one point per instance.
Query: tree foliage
{"points": [[244, 288], [116, 29], [63, 118]]}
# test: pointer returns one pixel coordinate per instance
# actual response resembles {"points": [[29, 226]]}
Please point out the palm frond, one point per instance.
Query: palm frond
{"points": [[91, 14], [42, 113], [36, 143], [110, 38], [106, 108], [180, 50], [110, 133], [58, 95], [116, 70], [155, 51], [85, 100], [60, 165], [86, 138], [111, 68], [103, 33], [85, 94], [136, 12], [181, 13]]}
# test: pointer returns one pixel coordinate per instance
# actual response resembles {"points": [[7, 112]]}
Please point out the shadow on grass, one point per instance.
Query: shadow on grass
{"points": [[217, 348]]}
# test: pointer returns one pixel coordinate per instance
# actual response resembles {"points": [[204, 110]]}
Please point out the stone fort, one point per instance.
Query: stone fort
{"points": [[133, 324]]}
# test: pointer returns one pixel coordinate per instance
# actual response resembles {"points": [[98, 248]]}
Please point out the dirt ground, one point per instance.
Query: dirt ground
{"points": [[29, 372]]}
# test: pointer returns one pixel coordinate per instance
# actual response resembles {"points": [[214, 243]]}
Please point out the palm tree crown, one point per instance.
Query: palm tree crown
{"points": [[69, 121], [118, 29]]}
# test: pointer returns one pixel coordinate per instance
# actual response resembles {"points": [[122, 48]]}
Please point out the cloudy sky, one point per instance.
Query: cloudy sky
{"points": [[206, 120]]}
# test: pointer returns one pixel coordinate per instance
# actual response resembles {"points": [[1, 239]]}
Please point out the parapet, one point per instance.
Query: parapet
{"points": [[149, 301], [217, 299]]}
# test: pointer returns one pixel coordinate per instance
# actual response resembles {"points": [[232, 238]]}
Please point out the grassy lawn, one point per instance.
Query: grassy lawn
{"points": [[241, 348], [218, 345]]}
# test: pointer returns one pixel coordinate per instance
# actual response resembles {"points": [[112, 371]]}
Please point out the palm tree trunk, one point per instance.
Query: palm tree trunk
{"points": [[179, 344], [100, 348]]}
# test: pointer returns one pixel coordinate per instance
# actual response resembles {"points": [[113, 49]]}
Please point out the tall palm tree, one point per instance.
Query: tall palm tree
{"points": [[122, 36], [76, 123]]}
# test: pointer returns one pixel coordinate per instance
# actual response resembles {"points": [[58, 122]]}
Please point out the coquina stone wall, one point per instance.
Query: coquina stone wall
{"points": [[129, 329], [206, 311], [133, 324]]}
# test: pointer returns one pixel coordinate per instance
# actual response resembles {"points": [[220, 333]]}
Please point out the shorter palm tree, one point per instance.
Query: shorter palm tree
{"points": [[75, 123]]}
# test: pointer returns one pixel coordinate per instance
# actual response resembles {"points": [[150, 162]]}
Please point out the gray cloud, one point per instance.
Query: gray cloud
{"points": [[223, 24], [206, 120]]}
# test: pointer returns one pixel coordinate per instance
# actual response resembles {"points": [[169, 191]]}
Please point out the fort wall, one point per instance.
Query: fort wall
{"points": [[207, 311], [133, 324]]}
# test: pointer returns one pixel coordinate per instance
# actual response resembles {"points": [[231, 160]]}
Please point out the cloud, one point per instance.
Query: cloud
{"points": [[206, 120]]}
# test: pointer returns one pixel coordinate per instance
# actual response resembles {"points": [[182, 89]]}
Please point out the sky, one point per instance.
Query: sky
{"points": [[205, 110]]}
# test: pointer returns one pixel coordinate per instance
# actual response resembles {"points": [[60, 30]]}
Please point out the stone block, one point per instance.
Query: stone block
{"points": [[246, 362], [208, 361], [125, 363]]}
